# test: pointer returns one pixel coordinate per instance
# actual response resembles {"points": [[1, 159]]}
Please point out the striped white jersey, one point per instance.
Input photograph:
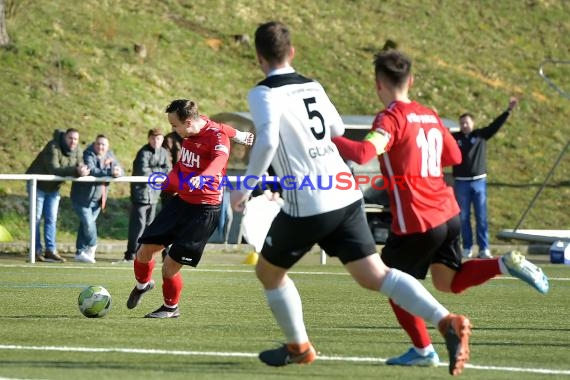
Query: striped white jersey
{"points": [[295, 121]]}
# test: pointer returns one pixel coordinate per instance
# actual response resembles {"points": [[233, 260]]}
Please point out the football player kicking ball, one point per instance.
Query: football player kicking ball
{"points": [[188, 220], [412, 146], [294, 118]]}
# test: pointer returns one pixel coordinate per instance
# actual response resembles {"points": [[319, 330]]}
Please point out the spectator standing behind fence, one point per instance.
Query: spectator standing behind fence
{"points": [[151, 158], [471, 178], [62, 156], [89, 198]]}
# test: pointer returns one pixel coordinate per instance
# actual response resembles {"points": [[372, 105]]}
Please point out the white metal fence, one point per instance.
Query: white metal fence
{"points": [[34, 178]]}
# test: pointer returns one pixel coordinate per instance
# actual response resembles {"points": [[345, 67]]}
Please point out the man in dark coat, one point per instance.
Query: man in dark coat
{"points": [[63, 157], [151, 158]]}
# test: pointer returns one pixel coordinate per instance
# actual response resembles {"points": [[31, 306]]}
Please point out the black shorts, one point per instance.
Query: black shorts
{"points": [[186, 226], [341, 233], [414, 253]]}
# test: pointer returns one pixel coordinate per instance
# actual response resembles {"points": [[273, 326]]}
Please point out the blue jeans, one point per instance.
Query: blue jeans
{"points": [[467, 193], [47, 205], [87, 232]]}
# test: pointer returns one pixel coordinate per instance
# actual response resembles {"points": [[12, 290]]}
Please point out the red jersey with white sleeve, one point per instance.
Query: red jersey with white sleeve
{"points": [[204, 154], [417, 148]]}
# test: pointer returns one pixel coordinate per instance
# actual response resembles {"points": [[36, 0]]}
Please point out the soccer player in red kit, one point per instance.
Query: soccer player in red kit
{"points": [[189, 219], [413, 146]]}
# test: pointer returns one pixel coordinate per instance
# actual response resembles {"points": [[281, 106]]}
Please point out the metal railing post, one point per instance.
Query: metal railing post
{"points": [[33, 211]]}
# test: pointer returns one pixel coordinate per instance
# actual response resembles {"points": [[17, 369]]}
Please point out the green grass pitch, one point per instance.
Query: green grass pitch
{"points": [[225, 322]]}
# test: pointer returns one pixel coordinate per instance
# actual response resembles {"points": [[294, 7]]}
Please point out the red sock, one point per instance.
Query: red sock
{"points": [[414, 326], [171, 289], [229, 131], [143, 271], [475, 272]]}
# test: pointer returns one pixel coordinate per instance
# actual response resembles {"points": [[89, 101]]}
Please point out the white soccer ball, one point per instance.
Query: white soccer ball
{"points": [[94, 301]]}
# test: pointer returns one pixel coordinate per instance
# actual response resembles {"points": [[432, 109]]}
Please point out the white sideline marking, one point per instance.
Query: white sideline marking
{"points": [[254, 355], [130, 269]]}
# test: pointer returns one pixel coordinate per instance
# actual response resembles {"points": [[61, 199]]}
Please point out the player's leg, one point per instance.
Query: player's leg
{"points": [[354, 245], [286, 306], [408, 293], [422, 353], [289, 237], [472, 273], [413, 254], [200, 222], [448, 272], [172, 285], [143, 266], [153, 240]]}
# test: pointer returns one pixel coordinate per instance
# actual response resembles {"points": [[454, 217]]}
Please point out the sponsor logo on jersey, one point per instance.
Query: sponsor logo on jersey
{"points": [[319, 151], [189, 158], [423, 119]]}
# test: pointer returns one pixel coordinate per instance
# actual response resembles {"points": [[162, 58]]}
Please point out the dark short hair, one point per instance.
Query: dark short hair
{"points": [[184, 109], [71, 130], [273, 41], [466, 114], [393, 66], [101, 136], [155, 132]]}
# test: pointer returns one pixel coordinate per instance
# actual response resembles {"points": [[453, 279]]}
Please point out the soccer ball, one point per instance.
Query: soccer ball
{"points": [[94, 301]]}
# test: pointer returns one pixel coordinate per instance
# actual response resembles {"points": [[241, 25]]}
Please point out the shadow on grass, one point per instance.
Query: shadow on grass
{"points": [[100, 365], [529, 185], [524, 329]]}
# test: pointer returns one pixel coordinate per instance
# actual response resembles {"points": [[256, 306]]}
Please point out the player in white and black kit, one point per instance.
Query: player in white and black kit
{"points": [[295, 121]]}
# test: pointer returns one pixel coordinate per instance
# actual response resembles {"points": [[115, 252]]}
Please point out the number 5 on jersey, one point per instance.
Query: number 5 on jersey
{"points": [[312, 114]]}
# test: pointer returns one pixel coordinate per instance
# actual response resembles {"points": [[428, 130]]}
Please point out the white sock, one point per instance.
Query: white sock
{"points": [[141, 286], [287, 308], [409, 293], [425, 351]]}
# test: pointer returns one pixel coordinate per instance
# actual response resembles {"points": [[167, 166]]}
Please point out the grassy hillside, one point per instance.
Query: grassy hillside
{"points": [[73, 65]]}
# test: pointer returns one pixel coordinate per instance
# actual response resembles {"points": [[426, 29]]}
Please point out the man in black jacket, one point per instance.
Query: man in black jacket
{"points": [[151, 158], [470, 178], [62, 156]]}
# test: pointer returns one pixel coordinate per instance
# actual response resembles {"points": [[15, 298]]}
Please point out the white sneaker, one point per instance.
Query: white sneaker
{"points": [[467, 253], [91, 252], [485, 254], [84, 258], [518, 266]]}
